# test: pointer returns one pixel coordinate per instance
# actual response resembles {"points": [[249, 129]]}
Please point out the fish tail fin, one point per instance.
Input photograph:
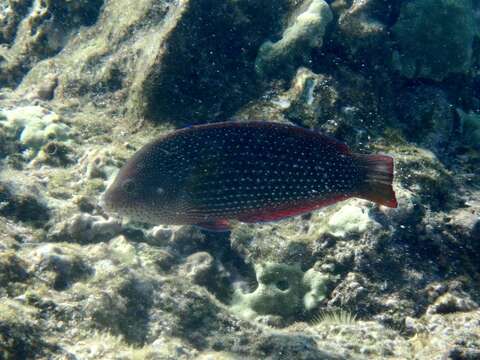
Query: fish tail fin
{"points": [[377, 186]]}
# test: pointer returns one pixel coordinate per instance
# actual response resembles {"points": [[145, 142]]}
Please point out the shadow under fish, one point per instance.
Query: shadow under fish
{"points": [[209, 175]]}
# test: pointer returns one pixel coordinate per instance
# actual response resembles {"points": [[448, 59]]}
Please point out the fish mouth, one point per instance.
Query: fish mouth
{"points": [[110, 204]]}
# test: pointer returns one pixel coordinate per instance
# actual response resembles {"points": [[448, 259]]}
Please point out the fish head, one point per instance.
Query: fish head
{"points": [[141, 192]]}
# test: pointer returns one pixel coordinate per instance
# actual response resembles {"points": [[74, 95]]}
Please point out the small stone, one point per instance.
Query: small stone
{"points": [[161, 234]]}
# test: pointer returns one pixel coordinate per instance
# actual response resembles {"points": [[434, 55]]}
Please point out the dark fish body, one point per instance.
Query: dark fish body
{"points": [[251, 172]]}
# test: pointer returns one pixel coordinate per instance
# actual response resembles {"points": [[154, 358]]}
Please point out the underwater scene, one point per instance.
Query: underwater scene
{"points": [[239, 179]]}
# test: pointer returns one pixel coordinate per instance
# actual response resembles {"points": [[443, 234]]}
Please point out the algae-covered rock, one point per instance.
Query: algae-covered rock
{"points": [[20, 329], [157, 67], [209, 72], [448, 336], [435, 38], [10, 16], [59, 266], [426, 177], [318, 285], [368, 339]]}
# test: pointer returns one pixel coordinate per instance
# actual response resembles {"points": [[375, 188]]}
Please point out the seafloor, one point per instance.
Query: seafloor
{"points": [[85, 83]]}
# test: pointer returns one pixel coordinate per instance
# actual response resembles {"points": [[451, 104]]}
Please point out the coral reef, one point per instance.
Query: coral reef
{"points": [[85, 84]]}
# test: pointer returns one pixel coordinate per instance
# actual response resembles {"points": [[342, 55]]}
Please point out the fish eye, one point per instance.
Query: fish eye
{"points": [[128, 186]]}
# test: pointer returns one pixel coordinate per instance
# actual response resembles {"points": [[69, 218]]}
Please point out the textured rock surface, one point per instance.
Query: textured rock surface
{"points": [[84, 84], [435, 38]]}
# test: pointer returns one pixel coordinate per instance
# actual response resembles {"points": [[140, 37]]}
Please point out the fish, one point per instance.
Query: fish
{"points": [[210, 175]]}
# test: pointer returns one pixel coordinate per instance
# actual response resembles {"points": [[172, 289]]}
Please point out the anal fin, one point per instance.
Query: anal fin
{"points": [[289, 210]]}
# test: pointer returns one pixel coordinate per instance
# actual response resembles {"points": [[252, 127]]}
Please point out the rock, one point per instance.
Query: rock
{"points": [[55, 154], [45, 90], [181, 66], [267, 242], [86, 228], [59, 266], [161, 234], [187, 240], [11, 15], [99, 164], [428, 32], [349, 219], [318, 284], [13, 271], [187, 63], [305, 32], [423, 174], [368, 339], [23, 203], [198, 267], [351, 290], [470, 128]]}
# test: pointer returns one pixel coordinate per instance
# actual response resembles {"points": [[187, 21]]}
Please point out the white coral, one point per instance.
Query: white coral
{"points": [[305, 33]]}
